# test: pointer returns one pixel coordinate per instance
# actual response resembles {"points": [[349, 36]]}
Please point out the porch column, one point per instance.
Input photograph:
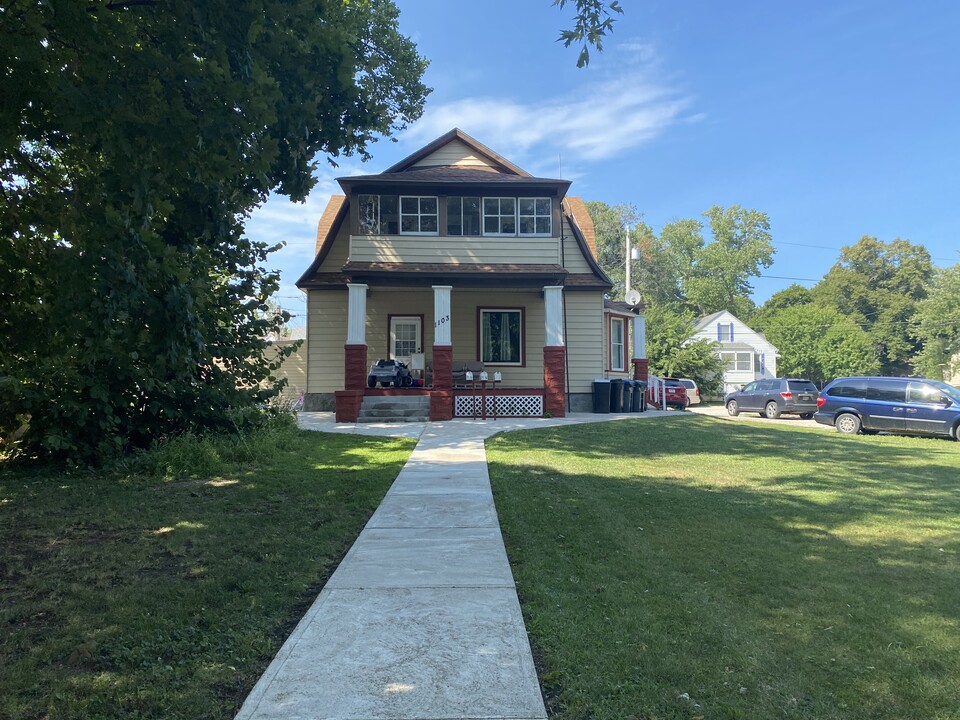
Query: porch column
{"points": [[355, 368], [554, 353], [441, 398], [640, 365]]}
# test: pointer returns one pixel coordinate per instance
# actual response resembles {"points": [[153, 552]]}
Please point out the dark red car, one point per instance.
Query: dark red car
{"points": [[675, 393]]}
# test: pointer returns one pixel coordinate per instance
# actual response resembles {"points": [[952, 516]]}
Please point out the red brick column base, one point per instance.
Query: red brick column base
{"points": [[441, 404], [442, 367], [554, 380], [640, 369], [355, 367], [348, 405]]}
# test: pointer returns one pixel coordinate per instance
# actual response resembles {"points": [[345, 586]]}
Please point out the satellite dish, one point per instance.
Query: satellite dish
{"points": [[633, 298]]}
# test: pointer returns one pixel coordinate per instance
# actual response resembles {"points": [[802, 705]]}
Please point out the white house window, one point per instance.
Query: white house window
{"points": [[499, 216], [617, 344], [463, 216], [737, 361], [501, 336], [418, 215], [535, 216], [724, 332], [377, 214]]}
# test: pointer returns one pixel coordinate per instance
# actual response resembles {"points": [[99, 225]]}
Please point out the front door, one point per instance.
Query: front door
{"points": [[405, 333]]}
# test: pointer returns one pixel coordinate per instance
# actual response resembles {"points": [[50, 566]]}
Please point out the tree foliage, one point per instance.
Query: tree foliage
{"points": [[878, 286], [670, 355], [818, 343], [136, 138], [593, 20], [938, 326]]}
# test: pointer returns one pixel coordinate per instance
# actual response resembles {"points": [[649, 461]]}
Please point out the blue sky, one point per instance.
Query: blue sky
{"points": [[837, 119]]}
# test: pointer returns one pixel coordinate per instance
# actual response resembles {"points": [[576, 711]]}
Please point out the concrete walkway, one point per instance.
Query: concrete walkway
{"points": [[421, 619]]}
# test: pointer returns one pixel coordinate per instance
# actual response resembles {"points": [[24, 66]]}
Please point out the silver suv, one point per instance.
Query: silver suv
{"points": [[775, 397]]}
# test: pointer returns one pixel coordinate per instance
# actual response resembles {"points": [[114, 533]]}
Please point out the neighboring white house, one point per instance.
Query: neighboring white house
{"points": [[747, 354]]}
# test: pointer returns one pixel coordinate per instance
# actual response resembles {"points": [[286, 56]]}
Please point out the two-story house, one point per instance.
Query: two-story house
{"points": [[747, 355], [457, 254]]}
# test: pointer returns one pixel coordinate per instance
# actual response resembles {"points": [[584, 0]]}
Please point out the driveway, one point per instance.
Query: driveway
{"points": [[720, 411]]}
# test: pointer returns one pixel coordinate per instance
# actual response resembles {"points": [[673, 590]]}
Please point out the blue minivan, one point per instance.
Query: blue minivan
{"points": [[911, 406]]}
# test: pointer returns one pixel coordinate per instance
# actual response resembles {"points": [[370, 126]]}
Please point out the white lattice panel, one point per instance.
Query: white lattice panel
{"points": [[507, 405]]}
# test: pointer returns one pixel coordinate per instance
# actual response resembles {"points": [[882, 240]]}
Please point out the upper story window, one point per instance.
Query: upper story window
{"points": [[499, 216], [418, 215], [378, 214], [463, 216], [724, 332], [535, 216]]}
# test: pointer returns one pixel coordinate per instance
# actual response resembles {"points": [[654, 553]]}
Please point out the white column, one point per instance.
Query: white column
{"points": [[553, 315], [640, 337], [356, 314], [441, 314]]}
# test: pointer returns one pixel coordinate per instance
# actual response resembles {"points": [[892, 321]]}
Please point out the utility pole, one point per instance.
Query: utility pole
{"points": [[626, 288]]}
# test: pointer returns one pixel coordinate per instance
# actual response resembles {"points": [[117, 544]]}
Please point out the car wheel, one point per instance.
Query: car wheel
{"points": [[733, 409], [371, 381], [686, 404], [806, 416], [848, 424], [772, 410]]}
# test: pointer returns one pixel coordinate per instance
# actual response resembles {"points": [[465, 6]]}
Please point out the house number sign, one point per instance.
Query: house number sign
{"points": [[441, 321]]}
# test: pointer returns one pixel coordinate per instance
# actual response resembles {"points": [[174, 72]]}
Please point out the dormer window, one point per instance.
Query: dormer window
{"points": [[377, 214], [418, 215], [463, 216], [499, 216], [535, 216]]}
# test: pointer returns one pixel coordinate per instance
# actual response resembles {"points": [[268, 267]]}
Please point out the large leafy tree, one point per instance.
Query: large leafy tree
{"points": [[938, 326], [136, 137], [818, 343], [672, 355], [878, 286]]}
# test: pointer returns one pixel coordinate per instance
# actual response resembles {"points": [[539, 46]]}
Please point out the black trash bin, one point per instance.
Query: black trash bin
{"points": [[639, 396], [616, 395], [628, 395], [601, 395]]}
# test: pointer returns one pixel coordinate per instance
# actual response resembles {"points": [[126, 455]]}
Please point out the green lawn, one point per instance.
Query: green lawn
{"points": [[692, 567], [136, 597]]}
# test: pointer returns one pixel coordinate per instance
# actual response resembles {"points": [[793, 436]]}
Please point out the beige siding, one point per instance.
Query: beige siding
{"points": [[585, 337], [337, 256], [456, 153], [326, 333], [454, 250], [573, 259], [383, 302], [293, 368]]}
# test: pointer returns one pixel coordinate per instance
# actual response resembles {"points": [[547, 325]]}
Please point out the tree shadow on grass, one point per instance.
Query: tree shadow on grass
{"points": [[819, 597]]}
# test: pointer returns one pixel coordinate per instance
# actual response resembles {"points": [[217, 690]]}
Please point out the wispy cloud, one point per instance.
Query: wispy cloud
{"points": [[618, 108]]}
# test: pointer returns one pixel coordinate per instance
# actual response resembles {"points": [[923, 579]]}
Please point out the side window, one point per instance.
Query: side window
{"points": [[849, 389], [886, 390], [924, 393], [750, 387]]}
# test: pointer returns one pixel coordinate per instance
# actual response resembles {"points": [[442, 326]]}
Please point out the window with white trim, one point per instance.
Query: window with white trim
{"points": [[617, 344], [500, 216], [737, 361], [535, 216], [377, 214], [418, 215], [463, 216], [501, 336]]}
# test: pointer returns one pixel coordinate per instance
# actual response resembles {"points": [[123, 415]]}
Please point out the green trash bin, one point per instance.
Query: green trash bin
{"points": [[616, 395], [628, 395], [601, 395]]}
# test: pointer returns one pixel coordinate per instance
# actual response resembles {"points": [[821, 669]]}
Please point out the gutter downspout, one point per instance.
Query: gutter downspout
{"points": [[566, 335]]}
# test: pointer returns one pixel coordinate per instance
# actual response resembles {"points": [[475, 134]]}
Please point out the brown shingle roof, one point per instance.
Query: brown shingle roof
{"points": [[328, 220], [454, 268], [585, 280], [450, 174], [578, 209]]}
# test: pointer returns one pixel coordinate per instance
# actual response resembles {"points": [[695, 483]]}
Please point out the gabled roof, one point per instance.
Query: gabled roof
{"points": [[457, 134], [708, 319]]}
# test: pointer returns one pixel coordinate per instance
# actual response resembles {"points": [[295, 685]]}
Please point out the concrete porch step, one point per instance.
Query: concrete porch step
{"points": [[394, 412], [408, 419]]}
